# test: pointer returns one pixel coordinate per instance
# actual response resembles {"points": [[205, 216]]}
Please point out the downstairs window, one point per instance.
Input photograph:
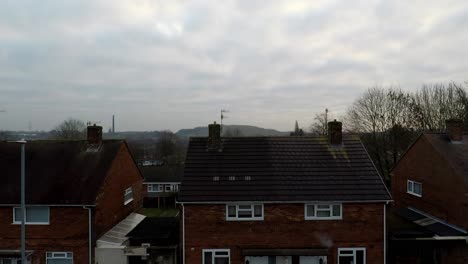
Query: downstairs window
{"points": [[216, 256], [59, 258], [351, 256]]}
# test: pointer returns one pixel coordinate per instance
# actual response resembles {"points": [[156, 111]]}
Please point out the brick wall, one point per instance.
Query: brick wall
{"points": [[110, 208], [67, 231], [283, 227], [443, 192]]}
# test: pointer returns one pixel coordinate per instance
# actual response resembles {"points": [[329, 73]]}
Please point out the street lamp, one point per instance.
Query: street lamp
{"points": [[23, 200]]}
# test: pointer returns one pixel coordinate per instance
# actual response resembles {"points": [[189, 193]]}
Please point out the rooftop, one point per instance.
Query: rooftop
{"points": [[57, 172], [280, 169]]}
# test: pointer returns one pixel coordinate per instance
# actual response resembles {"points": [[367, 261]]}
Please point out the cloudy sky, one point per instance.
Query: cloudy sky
{"points": [[175, 64]]}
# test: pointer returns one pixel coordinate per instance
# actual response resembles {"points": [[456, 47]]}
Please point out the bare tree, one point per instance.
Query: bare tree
{"points": [[383, 117], [319, 126], [433, 104], [70, 129]]}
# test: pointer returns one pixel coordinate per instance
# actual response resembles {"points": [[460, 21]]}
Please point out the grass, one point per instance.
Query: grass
{"points": [[159, 212]]}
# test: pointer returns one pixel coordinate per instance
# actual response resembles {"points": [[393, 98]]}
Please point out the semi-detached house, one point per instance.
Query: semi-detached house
{"points": [[76, 191], [282, 200]]}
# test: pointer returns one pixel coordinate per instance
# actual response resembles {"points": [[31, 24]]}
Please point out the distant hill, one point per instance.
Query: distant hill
{"points": [[241, 130]]}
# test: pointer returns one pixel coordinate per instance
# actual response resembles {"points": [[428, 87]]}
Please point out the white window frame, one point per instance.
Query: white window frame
{"points": [[167, 187], [59, 255], [18, 222], [128, 191], [410, 188], [252, 209], [213, 254], [354, 249], [316, 209], [151, 188]]}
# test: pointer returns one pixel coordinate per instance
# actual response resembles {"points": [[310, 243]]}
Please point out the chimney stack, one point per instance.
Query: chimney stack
{"points": [[454, 129], [335, 133], [214, 137], [94, 134]]}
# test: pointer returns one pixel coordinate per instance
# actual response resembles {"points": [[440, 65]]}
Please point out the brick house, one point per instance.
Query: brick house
{"points": [[278, 200], [430, 189], [161, 184], [72, 187]]}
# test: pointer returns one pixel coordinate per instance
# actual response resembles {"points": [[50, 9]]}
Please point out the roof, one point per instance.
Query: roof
{"points": [[456, 154], [57, 172], [409, 223], [281, 169], [118, 235], [159, 231], [165, 173]]}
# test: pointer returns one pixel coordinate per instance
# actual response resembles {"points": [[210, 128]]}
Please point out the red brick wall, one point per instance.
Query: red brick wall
{"points": [[283, 227], [110, 208], [67, 231], [443, 192]]}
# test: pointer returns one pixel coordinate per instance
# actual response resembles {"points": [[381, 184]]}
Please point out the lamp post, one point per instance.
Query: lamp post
{"points": [[23, 200]]}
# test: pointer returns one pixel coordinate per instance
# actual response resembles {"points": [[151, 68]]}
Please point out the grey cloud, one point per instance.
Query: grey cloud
{"points": [[160, 65]]}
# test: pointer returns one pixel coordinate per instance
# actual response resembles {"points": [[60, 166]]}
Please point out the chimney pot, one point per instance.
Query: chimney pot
{"points": [[335, 133], [94, 135], [214, 137], [454, 129]]}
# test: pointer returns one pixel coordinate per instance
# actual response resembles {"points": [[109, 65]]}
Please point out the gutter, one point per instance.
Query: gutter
{"points": [[183, 233], [286, 202], [90, 245], [52, 205]]}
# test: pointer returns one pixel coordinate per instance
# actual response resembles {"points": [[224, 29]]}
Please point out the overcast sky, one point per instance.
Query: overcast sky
{"points": [[175, 64]]}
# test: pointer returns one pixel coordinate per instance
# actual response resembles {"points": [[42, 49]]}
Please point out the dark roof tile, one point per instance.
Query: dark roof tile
{"points": [[280, 169]]}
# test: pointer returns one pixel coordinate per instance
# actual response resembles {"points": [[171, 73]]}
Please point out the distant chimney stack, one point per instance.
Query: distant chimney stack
{"points": [[454, 129], [94, 134], [335, 132], [214, 137]]}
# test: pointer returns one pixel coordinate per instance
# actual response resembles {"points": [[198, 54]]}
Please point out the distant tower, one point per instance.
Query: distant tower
{"points": [[113, 124]]}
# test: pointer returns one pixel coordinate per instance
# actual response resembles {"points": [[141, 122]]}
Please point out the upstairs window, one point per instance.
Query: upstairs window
{"points": [[351, 256], [59, 258], [414, 188], [240, 212], [128, 195], [216, 256], [323, 211], [35, 215], [155, 188]]}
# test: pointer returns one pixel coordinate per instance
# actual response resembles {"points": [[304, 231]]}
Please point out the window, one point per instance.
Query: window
{"points": [[35, 215], [154, 188], [9, 260], [351, 256], [128, 195], [323, 211], [167, 187], [216, 256], [414, 188], [59, 258], [244, 212]]}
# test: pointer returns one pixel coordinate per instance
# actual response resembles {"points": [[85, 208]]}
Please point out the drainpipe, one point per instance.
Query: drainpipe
{"points": [[183, 234], [90, 261], [385, 232]]}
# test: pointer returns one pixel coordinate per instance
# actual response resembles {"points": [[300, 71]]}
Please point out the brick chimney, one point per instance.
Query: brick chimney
{"points": [[335, 133], [454, 129], [214, 137], [94, 135]]}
